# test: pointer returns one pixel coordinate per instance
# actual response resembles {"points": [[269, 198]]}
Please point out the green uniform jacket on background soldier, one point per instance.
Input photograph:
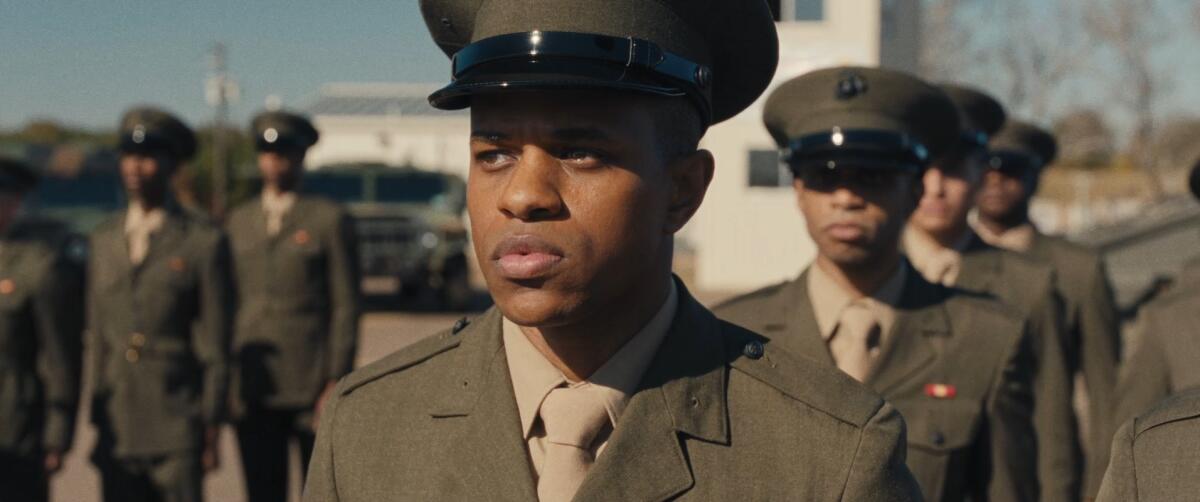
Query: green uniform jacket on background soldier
{"points": [[1157, 455], [297, 291], [1029, 286], [438, 421], [41, 327], [161, 335], [976, 444]]}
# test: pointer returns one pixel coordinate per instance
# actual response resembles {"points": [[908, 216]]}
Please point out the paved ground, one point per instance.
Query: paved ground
{"points": [[382, 333]]}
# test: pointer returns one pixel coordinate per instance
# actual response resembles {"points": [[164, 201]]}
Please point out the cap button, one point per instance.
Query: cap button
{"points": [[703, 77], [753, 350], [460, 325]]}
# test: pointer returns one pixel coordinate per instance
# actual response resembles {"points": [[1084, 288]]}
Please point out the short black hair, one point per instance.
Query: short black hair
{"points": [[678, 127]]}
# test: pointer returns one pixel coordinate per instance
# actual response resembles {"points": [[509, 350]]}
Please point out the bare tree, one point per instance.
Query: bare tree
{"points": [[1085, 139], [945, 43], [1132, 30]]}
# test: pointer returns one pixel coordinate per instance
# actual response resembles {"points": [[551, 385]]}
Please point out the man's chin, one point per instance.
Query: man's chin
{"points": [[537, 307]]}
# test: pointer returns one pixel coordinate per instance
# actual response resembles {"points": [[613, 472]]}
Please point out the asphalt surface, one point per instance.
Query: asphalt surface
{"points": [[381, 334]]}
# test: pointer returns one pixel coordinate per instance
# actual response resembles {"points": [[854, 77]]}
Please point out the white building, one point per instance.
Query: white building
{"points": [[749, 231]]}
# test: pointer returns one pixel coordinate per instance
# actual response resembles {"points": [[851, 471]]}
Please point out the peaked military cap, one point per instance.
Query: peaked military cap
{"points": [[16, 176], [1194, 180], [282, 130], [981, 115], [1021, 148], [872, 117], [720, 53], [151, 130]]}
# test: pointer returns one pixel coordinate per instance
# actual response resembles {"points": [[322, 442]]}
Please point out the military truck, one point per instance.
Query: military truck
{"points": [[411, 238]]}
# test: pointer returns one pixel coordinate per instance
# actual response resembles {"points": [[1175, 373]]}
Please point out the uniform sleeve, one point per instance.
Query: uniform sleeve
{"points": [[1006, 463], [1144, 383], [343, 282], [1054, 418], [96, 345], [878, 472], [320, 485], [58, 306], [214, 330], [1099, 353], [1120, 481]]}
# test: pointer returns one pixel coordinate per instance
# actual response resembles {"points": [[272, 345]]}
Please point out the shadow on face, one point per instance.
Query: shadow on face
{"points": [[281, 169], [573, 203], [146, 177], [950, 188], [855, 215], [1003, 197]]}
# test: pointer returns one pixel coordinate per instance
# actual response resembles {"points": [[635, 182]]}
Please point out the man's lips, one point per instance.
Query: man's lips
{"points": [[847, 232], [526, 257]]}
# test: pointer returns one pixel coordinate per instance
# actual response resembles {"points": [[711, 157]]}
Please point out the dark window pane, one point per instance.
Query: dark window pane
{"points": [[95, 190], [766, 170], [809, 10], [412, 188], [339, 187]]}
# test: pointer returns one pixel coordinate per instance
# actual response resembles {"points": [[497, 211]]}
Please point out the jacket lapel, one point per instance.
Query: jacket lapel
{"points": [[166, 239], [290, 222], [798, 329], [682, 394], [910, 346], [491, 454]]}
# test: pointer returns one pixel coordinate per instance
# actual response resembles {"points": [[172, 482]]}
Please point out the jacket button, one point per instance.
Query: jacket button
{"points": [[132, 355], [137, 340], [753, 350], [938, 438]]}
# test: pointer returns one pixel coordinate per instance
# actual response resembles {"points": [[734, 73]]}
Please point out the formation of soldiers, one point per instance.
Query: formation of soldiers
{"points": [[938, 348]]}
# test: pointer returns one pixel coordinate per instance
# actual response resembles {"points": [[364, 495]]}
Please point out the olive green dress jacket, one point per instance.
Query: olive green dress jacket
{"points": [[41, 330], [721, 414], [297, 319], [974, 442], [1029, 286], [1157, 455], [160, 335]]}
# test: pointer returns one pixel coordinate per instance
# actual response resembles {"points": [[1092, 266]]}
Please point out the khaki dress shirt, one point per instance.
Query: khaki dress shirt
{"points": [[830, 299], [139, 224], [276, 205], [1019, 238], [937, 264], [533, 377]]}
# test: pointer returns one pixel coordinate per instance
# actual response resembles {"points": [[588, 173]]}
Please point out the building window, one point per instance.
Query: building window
{"points": [[798, 10], [767, 171]]}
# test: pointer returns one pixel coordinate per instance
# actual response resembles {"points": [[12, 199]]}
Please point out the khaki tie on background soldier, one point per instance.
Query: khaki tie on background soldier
{"points": [[41, 326], [1020, 151], [159, 307], [941, 245], [586, 119], [295, 265], [958, 366]]}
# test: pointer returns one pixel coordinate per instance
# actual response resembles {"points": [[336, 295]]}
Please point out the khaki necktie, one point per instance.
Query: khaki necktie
{"points": [[274, 217], [139, 226], [853, 344], [941, 267], [572, 417]]}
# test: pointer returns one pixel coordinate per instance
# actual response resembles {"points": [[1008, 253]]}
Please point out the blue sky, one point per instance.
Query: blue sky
{"points": [[83, 62]]}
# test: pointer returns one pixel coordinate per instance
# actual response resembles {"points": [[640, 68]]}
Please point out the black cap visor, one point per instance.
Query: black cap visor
{"points": [[1014, 164], [140, 142], [872, 149], [283, 144], [572, 61]]}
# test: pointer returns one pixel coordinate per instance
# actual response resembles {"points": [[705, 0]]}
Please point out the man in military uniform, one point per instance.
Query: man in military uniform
{"points": [[297, 320], [41, 325], [598, 376], [159, 306], [1019, 153], [1154, 456], [941, 246], [957, 366], [1163, 359]]}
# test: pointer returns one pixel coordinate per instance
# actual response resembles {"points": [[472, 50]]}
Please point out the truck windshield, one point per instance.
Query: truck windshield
{"points": [[415, 188], [344, 188]]}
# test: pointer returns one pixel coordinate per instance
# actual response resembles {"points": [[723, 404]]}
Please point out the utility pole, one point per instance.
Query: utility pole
{"points": [[219, 90]]}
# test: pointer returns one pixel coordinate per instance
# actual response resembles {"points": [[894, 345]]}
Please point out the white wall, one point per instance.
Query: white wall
{"points": [[435, 143]]}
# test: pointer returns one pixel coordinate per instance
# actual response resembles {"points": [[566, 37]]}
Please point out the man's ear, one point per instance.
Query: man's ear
{"points": [[690, 176]]}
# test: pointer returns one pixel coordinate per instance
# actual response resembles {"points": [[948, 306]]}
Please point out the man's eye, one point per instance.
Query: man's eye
{"points": [[580, 156], [493, 159]]}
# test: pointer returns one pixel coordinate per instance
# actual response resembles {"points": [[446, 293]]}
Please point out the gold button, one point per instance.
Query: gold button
{"points": [[132, 355], [137, 340]]}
